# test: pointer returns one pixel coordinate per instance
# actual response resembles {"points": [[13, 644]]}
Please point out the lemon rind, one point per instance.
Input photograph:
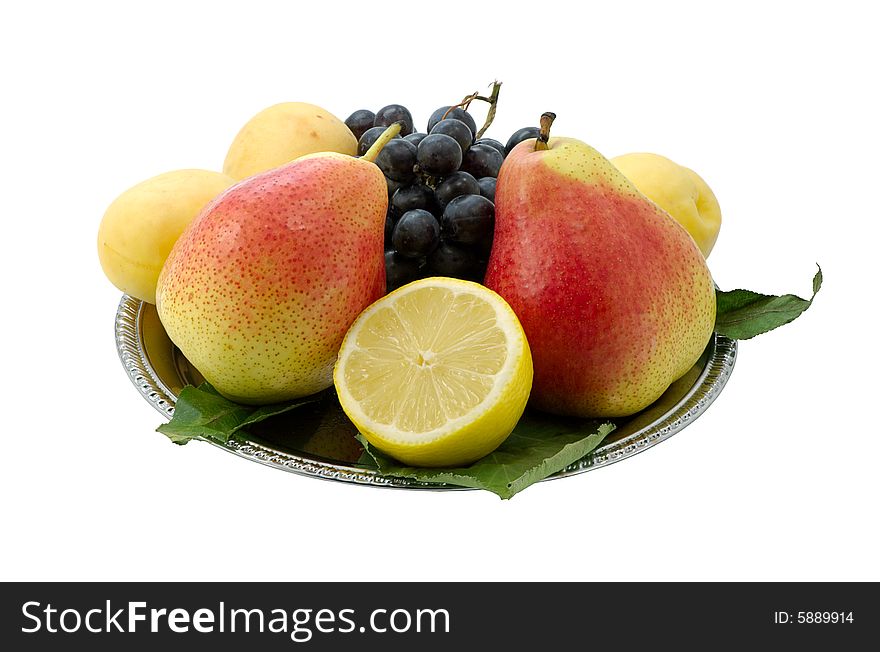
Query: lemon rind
{"points": [[506, 320]]}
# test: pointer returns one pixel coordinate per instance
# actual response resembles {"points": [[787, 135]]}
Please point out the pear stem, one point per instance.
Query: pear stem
{"points": [[390, 132], [546, 121]]}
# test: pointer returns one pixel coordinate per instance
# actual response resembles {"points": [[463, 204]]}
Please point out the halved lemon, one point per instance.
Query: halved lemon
{"points": [[436, 373]]}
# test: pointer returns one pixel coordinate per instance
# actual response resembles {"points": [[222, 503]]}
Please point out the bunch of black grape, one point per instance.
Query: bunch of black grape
{"points": [[441, 190]]}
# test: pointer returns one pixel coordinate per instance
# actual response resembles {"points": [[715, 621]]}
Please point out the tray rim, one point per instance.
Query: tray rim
{"points": [[133, 356]]}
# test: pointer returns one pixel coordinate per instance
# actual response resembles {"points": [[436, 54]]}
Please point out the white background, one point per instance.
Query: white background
{"points": [[772, 103]]}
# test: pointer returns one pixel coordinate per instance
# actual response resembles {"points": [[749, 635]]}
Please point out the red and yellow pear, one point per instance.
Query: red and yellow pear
{"points": [[613, 294], [261, 288]]}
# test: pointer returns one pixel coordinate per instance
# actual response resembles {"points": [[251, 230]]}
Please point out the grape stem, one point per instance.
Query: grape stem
{"points": [[390, 132], [464, 104], [493, 105], [544, 135]]}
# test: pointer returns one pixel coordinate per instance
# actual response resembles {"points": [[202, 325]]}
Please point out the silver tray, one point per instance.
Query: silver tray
{"points": [[319, 441]]}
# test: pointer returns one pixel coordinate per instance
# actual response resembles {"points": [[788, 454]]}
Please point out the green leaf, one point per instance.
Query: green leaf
{"points": [[743, 314], [538, 447], [202, 413]]}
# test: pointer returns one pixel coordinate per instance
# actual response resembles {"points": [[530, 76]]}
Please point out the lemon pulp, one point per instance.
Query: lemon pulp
{"points": [[437, 373]]}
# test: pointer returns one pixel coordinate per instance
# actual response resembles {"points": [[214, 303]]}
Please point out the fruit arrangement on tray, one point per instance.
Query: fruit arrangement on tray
{"points": [[438, 281]]}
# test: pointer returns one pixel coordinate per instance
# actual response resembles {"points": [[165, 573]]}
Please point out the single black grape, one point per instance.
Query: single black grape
{"points": [[456, 114], [468, 220], [438, 155], [453, 185], [412, 197], [388, 115], [369, 137], [459, 262], [457, 129], [416, 234], [400, 270], [483, 249], [482, 161], [397, 159], [491, 142], [415, 138], [389, 228], [360, 121], [394, 186], [487, 188], [520, 135]]}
